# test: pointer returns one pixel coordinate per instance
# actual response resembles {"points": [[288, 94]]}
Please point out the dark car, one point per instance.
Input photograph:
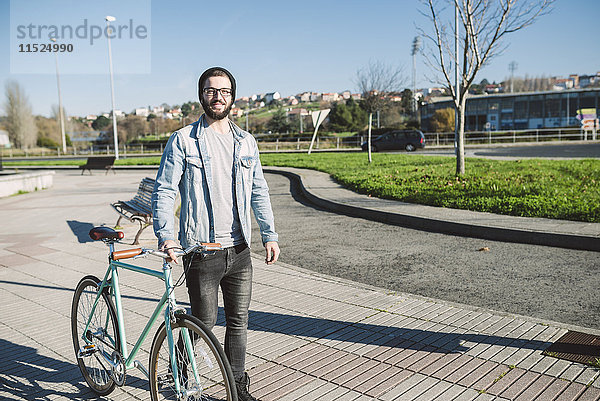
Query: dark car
{"points": [[409, 140]]}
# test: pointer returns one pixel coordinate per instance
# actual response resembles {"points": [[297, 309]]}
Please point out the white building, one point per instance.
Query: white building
{"points": [[141, 111], [330, 97]]}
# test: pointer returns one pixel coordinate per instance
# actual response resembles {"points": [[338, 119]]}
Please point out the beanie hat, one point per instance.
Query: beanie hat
{"points": [[210, 73]]}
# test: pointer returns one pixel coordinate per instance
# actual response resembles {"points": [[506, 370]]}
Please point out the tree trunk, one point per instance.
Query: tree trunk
{"points": [[460, 137], [369, 137]]}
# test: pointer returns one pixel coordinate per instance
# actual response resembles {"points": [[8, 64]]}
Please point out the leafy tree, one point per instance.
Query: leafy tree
{"points": [[278, 122], [360, 118], [186, 109], [101, 123], [131, 127], [407, 101], [48, 132], [340, 118], [442, 120], [19, 122]]}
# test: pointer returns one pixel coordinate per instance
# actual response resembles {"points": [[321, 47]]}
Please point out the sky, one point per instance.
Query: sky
{"points": [[273, 45]]}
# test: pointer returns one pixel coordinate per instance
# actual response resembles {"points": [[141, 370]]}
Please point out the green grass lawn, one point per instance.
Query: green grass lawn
{"points": [[558, 189], [568, 189]]}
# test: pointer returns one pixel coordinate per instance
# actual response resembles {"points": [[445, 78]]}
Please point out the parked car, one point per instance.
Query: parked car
{"points": [[408, 140]]}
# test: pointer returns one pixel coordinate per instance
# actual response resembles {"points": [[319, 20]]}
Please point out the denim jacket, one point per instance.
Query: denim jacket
{"points": [[186, 167]]}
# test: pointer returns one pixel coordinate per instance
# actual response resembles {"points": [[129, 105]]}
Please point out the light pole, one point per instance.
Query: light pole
{"points": [[512, 67], [416, 46], [110, 19], [60, 108]]}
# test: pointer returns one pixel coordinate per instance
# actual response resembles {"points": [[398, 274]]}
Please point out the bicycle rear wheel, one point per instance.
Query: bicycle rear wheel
{"points": [[102, 336], [212, 379]]}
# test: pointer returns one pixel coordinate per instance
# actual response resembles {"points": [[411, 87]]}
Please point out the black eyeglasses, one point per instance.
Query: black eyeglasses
{"points": [[225, 92]]}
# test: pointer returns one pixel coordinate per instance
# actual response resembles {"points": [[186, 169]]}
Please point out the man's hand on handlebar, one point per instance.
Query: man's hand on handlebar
{"points": [[169, 247]]}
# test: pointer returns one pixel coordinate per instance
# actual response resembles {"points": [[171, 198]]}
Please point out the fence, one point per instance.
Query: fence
{"points": [[513, 136], [432, 139], [302, 143]]}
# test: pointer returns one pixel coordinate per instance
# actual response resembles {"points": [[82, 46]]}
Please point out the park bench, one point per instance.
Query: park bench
{"points": [[98, 163], [138, 209]]}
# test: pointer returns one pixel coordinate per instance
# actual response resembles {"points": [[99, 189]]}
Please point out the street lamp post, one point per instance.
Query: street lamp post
{"points": [[110, 19], [416, 46], [60, 108]]}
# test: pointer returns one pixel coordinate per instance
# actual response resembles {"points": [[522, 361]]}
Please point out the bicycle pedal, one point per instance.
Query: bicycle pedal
{"points": [[87, 350]]}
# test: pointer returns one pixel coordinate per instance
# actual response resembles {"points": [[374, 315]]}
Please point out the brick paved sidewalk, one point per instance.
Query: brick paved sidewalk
{"points": [[312, 337]]}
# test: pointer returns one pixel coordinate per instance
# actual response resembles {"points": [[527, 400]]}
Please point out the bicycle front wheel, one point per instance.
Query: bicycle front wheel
{"points": [[203, 372], [100, 338]]}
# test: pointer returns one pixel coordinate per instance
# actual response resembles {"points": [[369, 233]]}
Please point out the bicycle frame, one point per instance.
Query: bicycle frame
{"points": [[111, 281]]}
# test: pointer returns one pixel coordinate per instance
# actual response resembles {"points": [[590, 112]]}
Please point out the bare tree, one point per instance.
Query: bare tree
{"points": [[483, 25], [375, 82], [20, 123]]}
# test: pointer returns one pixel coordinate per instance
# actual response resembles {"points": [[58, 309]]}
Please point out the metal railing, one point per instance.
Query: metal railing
{"points": [[328, 143], [512, 136]]}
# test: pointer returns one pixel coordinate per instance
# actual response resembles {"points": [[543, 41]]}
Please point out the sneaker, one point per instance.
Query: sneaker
{"points": [[243, 388]]}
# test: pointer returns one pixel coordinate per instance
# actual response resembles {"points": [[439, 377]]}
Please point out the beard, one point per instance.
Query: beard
{"points": [[215, 115]]}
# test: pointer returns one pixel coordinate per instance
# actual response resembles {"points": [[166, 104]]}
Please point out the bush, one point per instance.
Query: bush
{"points": [[45, 142]]}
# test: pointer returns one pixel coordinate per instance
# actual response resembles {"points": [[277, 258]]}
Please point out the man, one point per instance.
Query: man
{"points": [[215, 167]]}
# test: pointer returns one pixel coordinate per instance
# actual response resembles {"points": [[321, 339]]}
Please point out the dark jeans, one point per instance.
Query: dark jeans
{"points": [[231, 269]]}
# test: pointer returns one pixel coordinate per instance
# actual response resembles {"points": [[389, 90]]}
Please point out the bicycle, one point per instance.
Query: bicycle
{"points": [[187, 362]]}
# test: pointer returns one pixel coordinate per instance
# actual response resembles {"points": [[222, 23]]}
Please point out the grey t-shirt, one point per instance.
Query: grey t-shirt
{"points": [[226, 220]]}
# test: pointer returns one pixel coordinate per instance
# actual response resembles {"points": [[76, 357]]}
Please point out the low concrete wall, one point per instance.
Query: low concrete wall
{"points": [[11, 184]]}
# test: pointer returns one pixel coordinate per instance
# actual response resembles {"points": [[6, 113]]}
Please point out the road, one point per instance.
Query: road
{"points": [[553, 151], [543, 282]]}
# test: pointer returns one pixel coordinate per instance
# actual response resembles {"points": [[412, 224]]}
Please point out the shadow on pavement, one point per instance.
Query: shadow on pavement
{"points": [[393, 337], [360, 333], [81, 230], [28, 375]]}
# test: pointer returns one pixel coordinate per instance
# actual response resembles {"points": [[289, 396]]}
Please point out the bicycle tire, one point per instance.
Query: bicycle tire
{"points": [[104, 323], [214, 371]]}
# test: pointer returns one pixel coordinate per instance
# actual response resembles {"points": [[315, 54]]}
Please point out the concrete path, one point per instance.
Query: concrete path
{"points": [[312, 337]]}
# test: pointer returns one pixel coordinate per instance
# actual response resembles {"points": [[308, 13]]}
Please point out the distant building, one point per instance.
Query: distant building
{"points": [[4, 141], [562, 84], [330, 97], [118, 113], [298, 111], [237, 112], [269, 97], [315, 96], [517, 111], [142, 111], [493, 88], [305, 97]]}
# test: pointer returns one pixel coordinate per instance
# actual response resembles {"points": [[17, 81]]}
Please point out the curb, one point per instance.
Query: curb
{"points": [[559, 240]]}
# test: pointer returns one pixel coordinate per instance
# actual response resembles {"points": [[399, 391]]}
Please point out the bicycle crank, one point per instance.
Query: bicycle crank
{"points": [[118, 370]]}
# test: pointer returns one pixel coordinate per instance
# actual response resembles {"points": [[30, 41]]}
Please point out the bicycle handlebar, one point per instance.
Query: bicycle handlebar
{"points": [[130, 253]]}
